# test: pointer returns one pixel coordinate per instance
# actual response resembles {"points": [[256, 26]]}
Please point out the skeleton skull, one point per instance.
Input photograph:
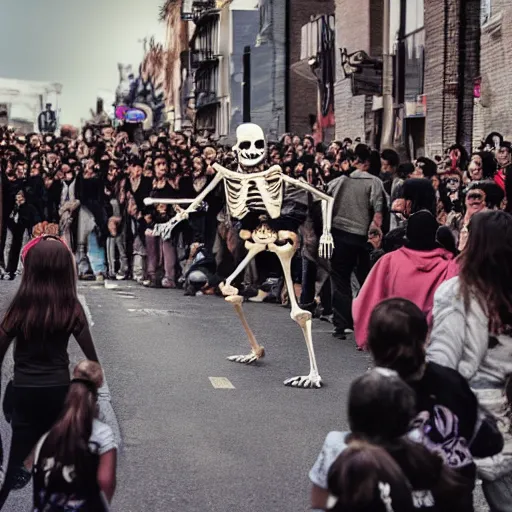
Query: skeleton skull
{"points": [[251, 146]]}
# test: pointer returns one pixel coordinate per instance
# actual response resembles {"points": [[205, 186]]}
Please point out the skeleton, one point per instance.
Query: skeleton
{"points": [[251, 190]]}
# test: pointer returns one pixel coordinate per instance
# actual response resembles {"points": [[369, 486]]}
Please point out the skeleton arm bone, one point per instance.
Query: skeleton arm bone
{"points": [[326, 241], [164, 230]]}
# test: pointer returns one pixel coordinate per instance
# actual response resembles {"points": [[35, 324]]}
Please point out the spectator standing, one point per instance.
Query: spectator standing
{"points": [[414, 272], [472, 333], [358, 202]]}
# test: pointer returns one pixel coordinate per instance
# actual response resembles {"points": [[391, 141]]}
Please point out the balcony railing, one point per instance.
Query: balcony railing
{"points": [[205, 98], [199, 58], [192, 10]]}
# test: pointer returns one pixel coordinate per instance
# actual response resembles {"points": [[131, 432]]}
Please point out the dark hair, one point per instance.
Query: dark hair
{"points": [[381, 407], [391, 156], [428, 166], [375, 163], [68, 440], [356, 478], [485, 269], [397, 336], [46, 301], [405, 170], [362, 153], [422, 195]]}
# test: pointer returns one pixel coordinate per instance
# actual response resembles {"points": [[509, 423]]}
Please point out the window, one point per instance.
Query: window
{"points": [[414, 16], [486, 11], [265, 14], [411, 49]]}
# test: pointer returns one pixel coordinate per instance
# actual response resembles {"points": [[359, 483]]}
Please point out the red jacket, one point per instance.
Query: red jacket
{"points": [[405, 273]]}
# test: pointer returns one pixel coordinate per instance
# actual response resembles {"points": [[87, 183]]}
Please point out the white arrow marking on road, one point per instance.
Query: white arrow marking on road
{"points": [[221, 383]]}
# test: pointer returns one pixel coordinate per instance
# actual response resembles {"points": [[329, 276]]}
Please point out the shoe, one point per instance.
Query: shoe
{"points": [[326, 318], [120, 276], [151, 283], [86, 277], [168, 283], [348, 331], [339, 334], [100, 278]]}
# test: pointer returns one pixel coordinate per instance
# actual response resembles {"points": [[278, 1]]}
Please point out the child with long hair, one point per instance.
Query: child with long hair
{"points": [[472, 333], [75, 462], [381, 407], [43, 315]]}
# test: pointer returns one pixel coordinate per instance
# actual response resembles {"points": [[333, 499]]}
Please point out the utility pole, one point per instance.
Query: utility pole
{"points": [[246, 85], [387, 82]]}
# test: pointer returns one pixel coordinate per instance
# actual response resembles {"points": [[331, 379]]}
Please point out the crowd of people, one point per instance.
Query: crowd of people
{"points": [[420, 273]]}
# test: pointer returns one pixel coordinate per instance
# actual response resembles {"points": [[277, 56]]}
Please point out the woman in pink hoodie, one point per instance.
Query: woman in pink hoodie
{"points": [[413, 272]]}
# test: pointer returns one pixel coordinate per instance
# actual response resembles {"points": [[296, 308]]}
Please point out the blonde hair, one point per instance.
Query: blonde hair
{"points": [[89, 370]]}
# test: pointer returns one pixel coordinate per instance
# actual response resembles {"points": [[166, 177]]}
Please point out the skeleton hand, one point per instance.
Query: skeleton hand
{"points": [[326, 247], [181, 215]]}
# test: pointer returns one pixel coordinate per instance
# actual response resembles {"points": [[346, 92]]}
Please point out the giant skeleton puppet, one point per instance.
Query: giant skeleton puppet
{"points": [[258, 195]]}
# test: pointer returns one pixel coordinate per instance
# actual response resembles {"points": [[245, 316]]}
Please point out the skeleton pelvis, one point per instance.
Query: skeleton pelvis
{"points": [[265, 235]]}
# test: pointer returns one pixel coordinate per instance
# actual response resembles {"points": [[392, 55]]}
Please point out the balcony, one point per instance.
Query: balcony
{"points": [[192, 10], [202, 58], [205, 98]]}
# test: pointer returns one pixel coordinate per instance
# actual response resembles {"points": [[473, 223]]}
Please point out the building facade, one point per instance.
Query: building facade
{"points": [[313, 65], [493, 110], [21, 102], [450, 73], [358, 27]]}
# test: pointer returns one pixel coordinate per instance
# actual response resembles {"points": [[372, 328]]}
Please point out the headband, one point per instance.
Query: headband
{"points": [[32, 243], [88, 384]]}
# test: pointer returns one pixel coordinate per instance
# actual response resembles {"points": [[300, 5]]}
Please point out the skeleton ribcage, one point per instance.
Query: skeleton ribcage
{"points": [[246, 193]]}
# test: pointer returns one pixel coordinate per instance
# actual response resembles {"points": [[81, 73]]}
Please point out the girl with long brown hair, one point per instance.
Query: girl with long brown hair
{"points": [[472, 333], [74, 464], [43, 315]]}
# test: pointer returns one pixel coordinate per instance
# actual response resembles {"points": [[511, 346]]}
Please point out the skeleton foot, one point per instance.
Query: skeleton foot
{"points": [[227, 290], [305, 381], [250, 358]]}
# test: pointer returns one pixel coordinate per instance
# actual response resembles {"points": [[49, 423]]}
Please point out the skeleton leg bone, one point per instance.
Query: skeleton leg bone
{"points": [[232, 296], [285, 254]]}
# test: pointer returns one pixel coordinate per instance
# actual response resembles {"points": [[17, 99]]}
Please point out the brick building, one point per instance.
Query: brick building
{"points": [[436, 45], [493, 111], [452, 48], [303, 92], [358, 27]]}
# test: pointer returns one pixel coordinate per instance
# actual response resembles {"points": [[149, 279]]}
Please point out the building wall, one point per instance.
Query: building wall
{"points": [[449, 95], [352, 33], [268, 72], [496, 71], [358, 27], [303, 93], [176, 42]]}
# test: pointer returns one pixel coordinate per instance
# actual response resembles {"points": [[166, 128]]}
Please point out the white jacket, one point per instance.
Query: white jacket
{"points": [[460, 340]]}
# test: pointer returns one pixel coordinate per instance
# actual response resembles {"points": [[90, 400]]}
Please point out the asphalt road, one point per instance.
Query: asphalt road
{"points": [[187, 445]]}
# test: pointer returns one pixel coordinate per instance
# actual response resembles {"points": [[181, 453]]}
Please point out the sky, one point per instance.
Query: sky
{"points": [[75, 43]]}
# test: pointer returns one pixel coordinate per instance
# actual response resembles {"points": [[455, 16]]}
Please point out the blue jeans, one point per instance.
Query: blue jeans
{"points": [[96, 254]]}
